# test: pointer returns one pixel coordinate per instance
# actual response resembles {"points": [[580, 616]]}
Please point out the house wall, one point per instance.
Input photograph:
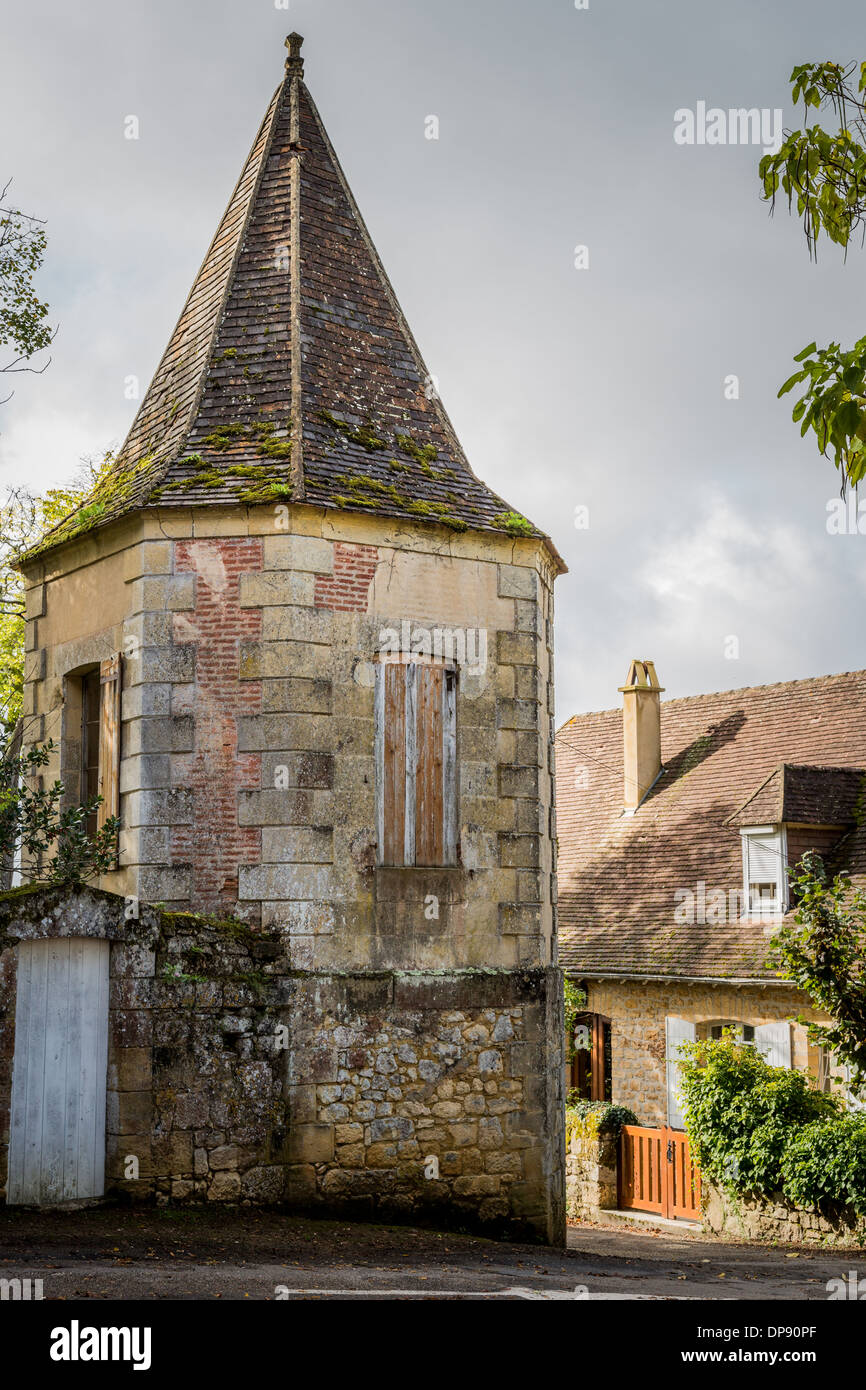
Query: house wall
{"points": [[637, 1010], [248, 789]]}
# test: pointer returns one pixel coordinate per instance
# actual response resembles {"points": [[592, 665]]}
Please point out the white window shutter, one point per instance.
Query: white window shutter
{"points": [[773, 1041], [677, 1032], [764, 861]]}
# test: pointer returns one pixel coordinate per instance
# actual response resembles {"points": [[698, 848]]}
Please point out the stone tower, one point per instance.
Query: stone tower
{"points": [[307, 655]]}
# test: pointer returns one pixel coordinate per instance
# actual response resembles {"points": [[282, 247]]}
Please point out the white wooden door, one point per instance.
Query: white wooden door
{"points": [[57, 1139]]}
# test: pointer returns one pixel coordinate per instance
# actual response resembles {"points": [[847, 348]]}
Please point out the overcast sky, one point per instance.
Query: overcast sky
{"points": [[601, 387]]}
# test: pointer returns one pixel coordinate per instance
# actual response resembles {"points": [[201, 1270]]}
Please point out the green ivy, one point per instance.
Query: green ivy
{"points": [[34, 819], [742, 1114], [823, 173], [822, 952], [826, 1161]]}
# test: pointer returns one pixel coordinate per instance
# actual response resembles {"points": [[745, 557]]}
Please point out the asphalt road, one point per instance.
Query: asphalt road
{"points": [[236, 1254]]}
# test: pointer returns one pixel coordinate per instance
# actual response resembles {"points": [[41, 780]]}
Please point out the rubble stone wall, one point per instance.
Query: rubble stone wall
{"points": [[775, 1219]]}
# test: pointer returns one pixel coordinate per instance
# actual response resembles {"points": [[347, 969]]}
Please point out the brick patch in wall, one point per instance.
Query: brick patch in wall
{"points": [[215, 845], [347, 589]]}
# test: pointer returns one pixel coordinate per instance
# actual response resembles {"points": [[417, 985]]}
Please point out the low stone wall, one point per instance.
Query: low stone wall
{"points": [[774, 1218], [590, 1172]]}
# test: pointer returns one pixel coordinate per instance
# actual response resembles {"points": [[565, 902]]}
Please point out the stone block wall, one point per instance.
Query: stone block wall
{"points": [[426, 1098], [247, 773], [196, 1056], [777, 1220]]}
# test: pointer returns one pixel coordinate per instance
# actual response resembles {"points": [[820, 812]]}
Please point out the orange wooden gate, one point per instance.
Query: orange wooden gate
{"points": [[656, 1173]]}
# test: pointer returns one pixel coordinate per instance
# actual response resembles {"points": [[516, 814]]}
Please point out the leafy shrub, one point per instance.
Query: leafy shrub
{"points": [[826, 1161], [599, 1115], [741, 1113], [35, 819]]}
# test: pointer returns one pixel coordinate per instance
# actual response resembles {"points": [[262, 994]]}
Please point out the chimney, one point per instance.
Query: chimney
{"points": [[641, 733]]}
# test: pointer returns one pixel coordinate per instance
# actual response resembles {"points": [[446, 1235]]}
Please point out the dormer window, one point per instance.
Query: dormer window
{"points": [[765, 882]]}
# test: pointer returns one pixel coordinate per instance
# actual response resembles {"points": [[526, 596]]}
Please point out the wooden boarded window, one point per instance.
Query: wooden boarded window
{"points": [[416, 754], [109, 739]]}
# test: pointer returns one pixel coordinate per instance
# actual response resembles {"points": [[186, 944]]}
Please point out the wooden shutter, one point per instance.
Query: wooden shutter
{"points": [[773, 1041], [580, 1073], [677, 1032], [600, 1032], [416, 740], [109, 739], [392, 787], [429, 765]]}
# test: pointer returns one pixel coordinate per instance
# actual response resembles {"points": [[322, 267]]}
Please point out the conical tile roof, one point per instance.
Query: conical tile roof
{"points": [[291, 374]]}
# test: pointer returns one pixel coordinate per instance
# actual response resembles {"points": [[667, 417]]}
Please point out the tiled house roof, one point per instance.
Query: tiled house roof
{"points": [[618, 875], [292, 374], [804, 796]]}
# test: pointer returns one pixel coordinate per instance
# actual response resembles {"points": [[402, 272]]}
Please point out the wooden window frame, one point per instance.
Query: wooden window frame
{"points": [[416, 776], [108, 721], [591, 1068], [722, 1023]]}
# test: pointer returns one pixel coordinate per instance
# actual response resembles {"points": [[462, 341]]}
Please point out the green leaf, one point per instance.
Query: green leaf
{"points": [[792, 381]]}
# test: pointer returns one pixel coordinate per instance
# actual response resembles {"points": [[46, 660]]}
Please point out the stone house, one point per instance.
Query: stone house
{"points": [[305, 654], [677, 823]]}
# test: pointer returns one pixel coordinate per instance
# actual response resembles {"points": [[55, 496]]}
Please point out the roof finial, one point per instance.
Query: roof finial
{"points": [[294, 62]]}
